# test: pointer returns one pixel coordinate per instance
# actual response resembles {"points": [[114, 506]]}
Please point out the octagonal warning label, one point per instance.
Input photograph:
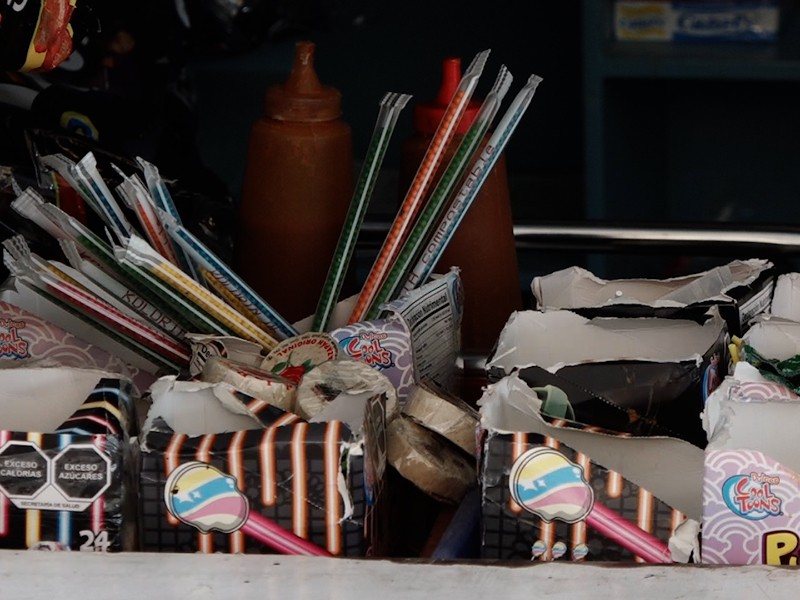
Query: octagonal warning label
{"points": [[81, 472], [23, 470]]}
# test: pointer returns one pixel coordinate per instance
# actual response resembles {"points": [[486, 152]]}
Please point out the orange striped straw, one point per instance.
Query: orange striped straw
{"points": [[419, 187]]}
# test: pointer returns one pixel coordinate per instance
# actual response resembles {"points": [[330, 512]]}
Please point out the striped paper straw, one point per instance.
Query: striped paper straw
{"points": [[390, 107], [447, 183], [138, 199], [163, 200], [139, 280], [140, 253], [86, 173], [470, 188], [198, 252], [419, 186], [47, 278]]}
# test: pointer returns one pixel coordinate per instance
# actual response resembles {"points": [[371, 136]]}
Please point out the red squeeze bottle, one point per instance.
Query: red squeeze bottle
{"points": [[483, 246], [297, 188]]}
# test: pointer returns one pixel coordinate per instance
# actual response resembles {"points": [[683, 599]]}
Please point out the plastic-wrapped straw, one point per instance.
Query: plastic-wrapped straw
{"points": [[419, 186], [472, 184], [123, 294], [163, 200], [390, 107], [145, 285], [46, 277], [138, 252], [86, 173], [28, 204], [64, 167], [447, 183], [136, 196], [197, 251]]}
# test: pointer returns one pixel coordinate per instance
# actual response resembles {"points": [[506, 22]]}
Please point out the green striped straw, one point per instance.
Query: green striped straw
{"points": [[172, 304], [417, 191], [455, 171], [390, 106], [472, 185]]}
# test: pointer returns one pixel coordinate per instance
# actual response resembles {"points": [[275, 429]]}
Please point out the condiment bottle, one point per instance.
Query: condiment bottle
{"points": [[483, 246], [297, 188]]}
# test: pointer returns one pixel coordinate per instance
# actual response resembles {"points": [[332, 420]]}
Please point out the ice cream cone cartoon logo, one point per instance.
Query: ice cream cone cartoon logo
{"points": [[545, 483], [206, 498]]}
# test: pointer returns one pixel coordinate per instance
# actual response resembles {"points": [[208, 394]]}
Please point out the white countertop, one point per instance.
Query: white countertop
{"points": [[196, 577]]}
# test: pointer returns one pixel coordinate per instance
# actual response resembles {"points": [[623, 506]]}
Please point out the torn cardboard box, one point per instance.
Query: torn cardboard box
{"points": [[209, 449], [740, 289], [29, 340], [643, 376], [786, 299], [554, 489], [751, 492], [63, 460]]}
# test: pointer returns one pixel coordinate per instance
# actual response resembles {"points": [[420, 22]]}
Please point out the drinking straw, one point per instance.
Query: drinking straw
{"points": [[197, 251], [86, 173], [64, 167], [143, 283], [455, 170], [390, 107], [138, 252], [419, 185], [120, 291], [133, 282], [27, 204], [138, 199], [472, 185], [163, 200], [47, 277]]}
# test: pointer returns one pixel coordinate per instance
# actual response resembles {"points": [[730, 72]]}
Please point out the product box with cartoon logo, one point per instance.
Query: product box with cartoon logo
{"points": [[225, 472], [751, 492], [64, 460], [29, 340], [554, 489]]}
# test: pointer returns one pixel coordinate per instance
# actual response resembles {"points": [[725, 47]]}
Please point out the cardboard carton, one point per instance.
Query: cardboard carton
{"points": [[553, 489], [751, 492], [740, 290], [643, 376], [63, 460], [320, 481], [29, 340]]}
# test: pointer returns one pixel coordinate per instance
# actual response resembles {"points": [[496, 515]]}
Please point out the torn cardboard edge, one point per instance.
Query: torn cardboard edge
{"points": [[671, 469], [641, 376], [741, 289], [751, 494], [41, 399], [774, 337], [553, 340], [320, 480], [786, 297], [750, 412]]}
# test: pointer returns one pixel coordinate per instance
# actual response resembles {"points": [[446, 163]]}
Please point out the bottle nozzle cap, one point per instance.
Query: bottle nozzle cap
{"points": [[302, 97], [427, 116]]}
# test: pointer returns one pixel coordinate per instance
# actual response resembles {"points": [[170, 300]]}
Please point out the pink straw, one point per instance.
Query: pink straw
{"points": [[276, 537], [626, 534]]}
